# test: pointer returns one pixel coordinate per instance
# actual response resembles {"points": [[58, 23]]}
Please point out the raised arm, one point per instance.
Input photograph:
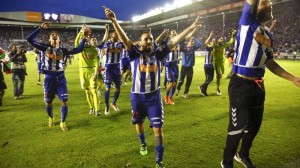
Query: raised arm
{"points": [[209, 38], [30, 38], [175, 40], [79, 36], [162, 36], [122, 35], [273, 25], [191, 34], [278, 70], [105, 37], [251, 2], [231, 41], [77, 49]]}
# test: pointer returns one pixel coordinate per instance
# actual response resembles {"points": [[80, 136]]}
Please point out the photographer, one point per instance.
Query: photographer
{"points": [[18, 58]]}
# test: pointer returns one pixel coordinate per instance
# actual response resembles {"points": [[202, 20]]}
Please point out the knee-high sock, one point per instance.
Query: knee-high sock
{"points": [[89, 98], [142, 138], [49, 110], [159, 147], [167, 92], [106, 98], [95, 99], [218, 83], [116, 96], [172, 91], [64, 113]]}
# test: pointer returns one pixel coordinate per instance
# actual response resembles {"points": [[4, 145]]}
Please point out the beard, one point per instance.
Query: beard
{"points": [[54, 42], [148, 48]]}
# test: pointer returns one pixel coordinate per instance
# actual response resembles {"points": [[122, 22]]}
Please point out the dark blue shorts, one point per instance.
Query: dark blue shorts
{"points": [[56, 85], [113, 75], [172, 72], [125, 64], [153, 110]]}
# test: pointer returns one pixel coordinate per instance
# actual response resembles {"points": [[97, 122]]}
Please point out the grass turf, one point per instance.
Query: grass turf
{"points": [[194, 129]]}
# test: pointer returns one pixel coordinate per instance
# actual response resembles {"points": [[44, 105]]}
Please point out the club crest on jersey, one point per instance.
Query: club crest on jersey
{"points": [[54, 53], [116, 50], [260, 38], [147, 68]]}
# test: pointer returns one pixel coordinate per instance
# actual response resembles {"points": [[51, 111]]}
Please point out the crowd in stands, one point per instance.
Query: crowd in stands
{"points": [[286, 34]]}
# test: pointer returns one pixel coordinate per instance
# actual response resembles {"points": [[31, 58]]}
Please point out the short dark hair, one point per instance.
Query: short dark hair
{"points": [[144, 32], [54, 32], [110, 33]]}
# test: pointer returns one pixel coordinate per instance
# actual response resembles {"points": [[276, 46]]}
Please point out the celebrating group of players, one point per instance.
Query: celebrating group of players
{"points": [[145, 59]]}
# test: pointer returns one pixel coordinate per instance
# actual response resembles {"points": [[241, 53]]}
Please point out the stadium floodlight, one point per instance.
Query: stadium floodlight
{"points": [[152, 12], [168, 7], [47, 16], [180, 3], [54, 16]]}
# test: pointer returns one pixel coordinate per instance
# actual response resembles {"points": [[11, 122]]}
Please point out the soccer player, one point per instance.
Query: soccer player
{"points": [[219, 59], [254, 52], [145, 92], [187, 48], [54, 59], [160, 40], [113, 50], [125, 66], [208, 64], [88, 70], [171, 70], [99, 47]]}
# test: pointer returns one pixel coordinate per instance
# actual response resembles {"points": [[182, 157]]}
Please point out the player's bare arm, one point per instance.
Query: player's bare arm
{"points": [[122, 35], [278, 70], [209, 38], [175, 40]]}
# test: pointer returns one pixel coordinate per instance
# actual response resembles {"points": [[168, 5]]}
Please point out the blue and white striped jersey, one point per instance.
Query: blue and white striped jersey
{"points": [[124, 54], [50, 66], [114, 52], [173, 56], [208, 57], [146, 72], [253, 45]]}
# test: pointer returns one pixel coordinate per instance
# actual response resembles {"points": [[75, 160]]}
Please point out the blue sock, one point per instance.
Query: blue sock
{"points": [[167, 93], [116, 96], [159, 153], [142, 138], [49, 110], [172, 91], [106, 98], [64, 113]]}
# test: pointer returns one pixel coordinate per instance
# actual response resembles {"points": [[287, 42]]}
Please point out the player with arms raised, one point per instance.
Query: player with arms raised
{"points": [[88, 70], [54, 59], [254, 52], [145, 92]]}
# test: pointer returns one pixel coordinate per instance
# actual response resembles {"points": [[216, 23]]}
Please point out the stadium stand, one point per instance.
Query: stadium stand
{"points": [[286, 34]]}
